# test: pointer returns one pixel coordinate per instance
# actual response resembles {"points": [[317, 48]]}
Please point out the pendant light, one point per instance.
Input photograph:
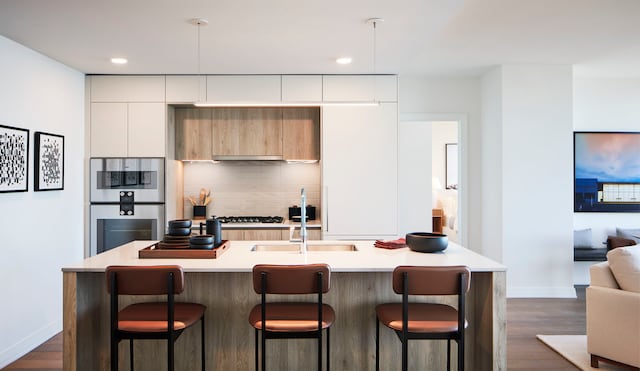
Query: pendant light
{"points": [[200, 103], [199, 23], [374, 22]]}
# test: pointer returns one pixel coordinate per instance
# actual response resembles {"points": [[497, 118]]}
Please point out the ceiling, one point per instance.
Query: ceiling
{"points": [[418, 37]]}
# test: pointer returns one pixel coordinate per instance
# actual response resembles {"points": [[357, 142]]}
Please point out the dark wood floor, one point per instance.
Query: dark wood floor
{"points": [[526, 318]]}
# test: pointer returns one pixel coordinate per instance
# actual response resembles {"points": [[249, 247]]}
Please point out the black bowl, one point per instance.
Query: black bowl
{"points": [[201, 247], [179, 231], [203, 239], [427, 242], [180, 223]]}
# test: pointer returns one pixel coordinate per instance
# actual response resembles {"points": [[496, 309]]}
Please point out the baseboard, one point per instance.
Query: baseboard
{"points": [[29, 343], [541, 292]]}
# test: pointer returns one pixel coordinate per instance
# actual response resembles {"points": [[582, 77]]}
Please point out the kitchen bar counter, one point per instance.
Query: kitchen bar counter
{"points": [[360, 280]]}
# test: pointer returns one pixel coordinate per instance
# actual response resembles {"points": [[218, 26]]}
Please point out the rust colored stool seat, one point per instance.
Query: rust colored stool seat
{"points": [[150, 320], [414, 321], [287, 320]]}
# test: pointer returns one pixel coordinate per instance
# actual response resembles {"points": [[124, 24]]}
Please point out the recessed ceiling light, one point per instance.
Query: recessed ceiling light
{"points": [[343, 60], [118, 61]]}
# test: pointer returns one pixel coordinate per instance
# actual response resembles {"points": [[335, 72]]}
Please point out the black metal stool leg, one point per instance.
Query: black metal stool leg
{"points": [[448, 354], [320, 350], [256, 348], [328, 361], [202, 342], [377, 344], [170, 365], [131, 354]]}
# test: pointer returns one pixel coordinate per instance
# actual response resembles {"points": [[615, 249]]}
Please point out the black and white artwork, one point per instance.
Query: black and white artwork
{"points": [[49, 162], [14, 159]]}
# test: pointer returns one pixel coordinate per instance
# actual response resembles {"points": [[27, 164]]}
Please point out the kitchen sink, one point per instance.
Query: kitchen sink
{"points": [[310, 247]]}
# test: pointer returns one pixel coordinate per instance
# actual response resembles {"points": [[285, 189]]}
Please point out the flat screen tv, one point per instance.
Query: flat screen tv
{"points": [[606, 171]]}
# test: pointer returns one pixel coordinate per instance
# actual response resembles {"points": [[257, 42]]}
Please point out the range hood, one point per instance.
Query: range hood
{"points": [[247, 158]]}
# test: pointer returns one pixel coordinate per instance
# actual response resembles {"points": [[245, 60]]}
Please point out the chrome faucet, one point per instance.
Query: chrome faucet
{"points": [[303, 224], [303, 221]]}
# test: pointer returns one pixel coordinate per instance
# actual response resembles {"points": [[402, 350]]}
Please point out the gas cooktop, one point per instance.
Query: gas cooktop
{"points": [[251, 219]]}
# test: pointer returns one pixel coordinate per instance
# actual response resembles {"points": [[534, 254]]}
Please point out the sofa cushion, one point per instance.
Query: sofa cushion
{"points": [[625, 266], [630, 233], [614, 242], [582, 239]]}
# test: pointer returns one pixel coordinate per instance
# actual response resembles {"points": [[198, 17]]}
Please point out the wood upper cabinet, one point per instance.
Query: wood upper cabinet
{"points": [[193, 134], [301, 133], [239, 133]]}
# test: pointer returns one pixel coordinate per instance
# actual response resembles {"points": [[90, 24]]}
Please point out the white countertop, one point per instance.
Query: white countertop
{"points": [[240, 258]]}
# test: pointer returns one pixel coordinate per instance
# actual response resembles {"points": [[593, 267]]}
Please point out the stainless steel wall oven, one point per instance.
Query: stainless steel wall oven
{"points": [[127, 201]]}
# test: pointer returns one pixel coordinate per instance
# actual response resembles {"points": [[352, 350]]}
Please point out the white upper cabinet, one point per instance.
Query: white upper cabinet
{"points": [[127, 88], [108, 129], [146, 130], [359, 88], [247, 88], [186, 89], [128, 130], [360, 171], [301, 88]]}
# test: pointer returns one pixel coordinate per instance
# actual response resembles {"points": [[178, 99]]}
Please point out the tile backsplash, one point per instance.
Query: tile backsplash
{"points": [[265, 188]]}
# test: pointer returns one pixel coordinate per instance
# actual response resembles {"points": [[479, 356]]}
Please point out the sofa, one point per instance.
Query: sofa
{"points": [[584, 250], [613, 309]]}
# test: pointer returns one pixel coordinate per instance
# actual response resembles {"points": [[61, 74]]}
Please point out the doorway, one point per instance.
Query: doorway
{"points": [[431, 173]]}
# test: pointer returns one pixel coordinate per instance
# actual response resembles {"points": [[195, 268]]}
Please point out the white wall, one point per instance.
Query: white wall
{"points": [[41, 231], [491, 163], [536, 179], [518, 153], [604, 104]]}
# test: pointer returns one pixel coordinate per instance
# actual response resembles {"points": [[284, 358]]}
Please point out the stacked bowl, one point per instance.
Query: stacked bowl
{"points": [[202, 242], [177, 236]]}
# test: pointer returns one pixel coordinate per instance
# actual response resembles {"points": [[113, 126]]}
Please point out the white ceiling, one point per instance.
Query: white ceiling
{"points": [[418, 37]]}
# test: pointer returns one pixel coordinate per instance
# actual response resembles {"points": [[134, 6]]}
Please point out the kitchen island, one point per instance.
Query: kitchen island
{"points": [[360, 280]]}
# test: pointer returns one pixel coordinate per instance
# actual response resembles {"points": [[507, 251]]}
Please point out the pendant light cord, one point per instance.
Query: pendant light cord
{"points": [[374, 47], [198, 22]]}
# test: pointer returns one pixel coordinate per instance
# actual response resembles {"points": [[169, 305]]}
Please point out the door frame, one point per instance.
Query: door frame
{"points": [[463, 189]]}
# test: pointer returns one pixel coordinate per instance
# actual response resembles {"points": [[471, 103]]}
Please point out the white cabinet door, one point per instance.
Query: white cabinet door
{"points": [[301, 88], [146, 130], [240, 89], [359, 88], [186, 89], [360, 171], [108, 129], [127, 88]]}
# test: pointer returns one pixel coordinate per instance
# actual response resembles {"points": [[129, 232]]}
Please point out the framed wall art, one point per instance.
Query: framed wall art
{"points": [[14, 159], [606, 171], [451, 165], [49, 162]]}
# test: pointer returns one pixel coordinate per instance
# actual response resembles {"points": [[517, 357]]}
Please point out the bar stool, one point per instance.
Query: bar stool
{"points": [[150, 320], [287, 320], [413, 321]]}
